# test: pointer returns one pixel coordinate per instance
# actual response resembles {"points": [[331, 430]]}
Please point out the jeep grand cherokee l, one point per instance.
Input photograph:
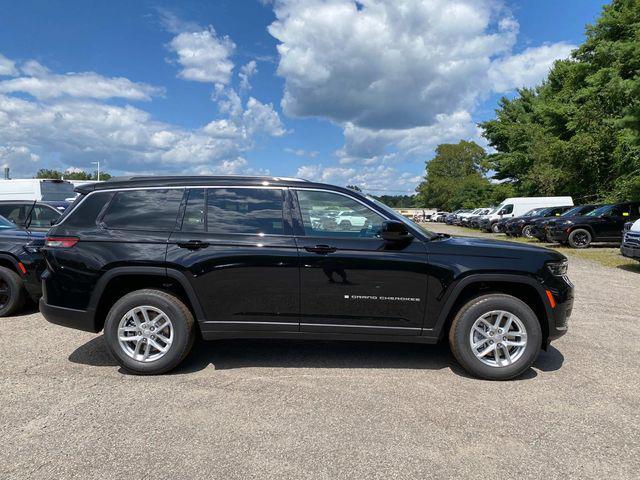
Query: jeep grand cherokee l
{"points": [[153, 261], [604, 224]]}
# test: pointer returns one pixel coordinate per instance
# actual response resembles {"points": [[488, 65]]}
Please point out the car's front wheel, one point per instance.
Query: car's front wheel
{"points": [[527, 231], [495, 228], [495, 336], [149, 331]]}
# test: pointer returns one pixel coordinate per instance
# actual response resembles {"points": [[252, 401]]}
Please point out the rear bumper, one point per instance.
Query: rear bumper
{"points": [[69, 317]]}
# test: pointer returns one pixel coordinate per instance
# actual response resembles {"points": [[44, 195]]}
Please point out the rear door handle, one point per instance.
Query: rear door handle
{"points": [[193, 244], [321, 249]]}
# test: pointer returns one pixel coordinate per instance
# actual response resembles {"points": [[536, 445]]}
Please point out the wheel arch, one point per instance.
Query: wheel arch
{"points": [[121, 280], [9, 261], [522, 287], [588, 228]]}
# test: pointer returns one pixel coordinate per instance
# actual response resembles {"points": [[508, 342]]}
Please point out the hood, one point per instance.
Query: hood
{"points": [[501, 248]]}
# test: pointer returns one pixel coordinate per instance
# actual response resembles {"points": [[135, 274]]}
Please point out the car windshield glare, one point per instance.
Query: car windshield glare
{"points": [[600, 211], [4, 223]]}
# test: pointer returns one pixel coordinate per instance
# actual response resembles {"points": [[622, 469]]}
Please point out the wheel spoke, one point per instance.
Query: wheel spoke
{"points": [[510, 343], [136, 351], [147, 350], [507, 357], [498, 320], [163, 339], [479, 343], [481, 331], [157, 346], [507, 325], [133, 338], [490, 348], [496, 355]]}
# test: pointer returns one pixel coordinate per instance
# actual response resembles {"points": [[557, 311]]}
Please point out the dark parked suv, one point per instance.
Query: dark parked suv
{"points": [[604, 224], [154, 260]]}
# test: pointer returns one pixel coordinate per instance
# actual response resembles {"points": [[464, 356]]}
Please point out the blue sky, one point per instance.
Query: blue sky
{"points": [[339, 91]]}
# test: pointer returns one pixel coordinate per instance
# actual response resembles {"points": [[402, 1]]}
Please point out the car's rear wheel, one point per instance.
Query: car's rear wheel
{"points": [[149, 332], [495, 336], [579, 238], [495, 228], [527, 231], [12, 293]]}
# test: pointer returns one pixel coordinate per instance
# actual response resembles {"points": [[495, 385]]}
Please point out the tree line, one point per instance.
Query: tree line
{"points": [[578, 133], [75, 175]]}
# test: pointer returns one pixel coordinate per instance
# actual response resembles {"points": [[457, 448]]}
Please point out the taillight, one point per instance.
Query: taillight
{"points": [[60, 242]]}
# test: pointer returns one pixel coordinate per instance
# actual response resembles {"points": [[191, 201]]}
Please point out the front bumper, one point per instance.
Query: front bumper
{"points": [[630, 251], [69, 317], [562, 291]]}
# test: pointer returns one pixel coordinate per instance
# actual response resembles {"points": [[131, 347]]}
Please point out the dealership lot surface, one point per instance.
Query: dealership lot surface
{"points": [[276, 409]]}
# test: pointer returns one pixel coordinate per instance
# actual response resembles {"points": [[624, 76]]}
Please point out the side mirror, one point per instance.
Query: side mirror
{"points": [[394, 231]]}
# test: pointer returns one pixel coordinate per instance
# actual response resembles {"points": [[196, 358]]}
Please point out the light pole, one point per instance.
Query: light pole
{"points": [[98, 174]]}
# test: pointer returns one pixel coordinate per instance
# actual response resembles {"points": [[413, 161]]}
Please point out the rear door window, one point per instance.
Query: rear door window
{"points": [[152, 210], [235, 211]]}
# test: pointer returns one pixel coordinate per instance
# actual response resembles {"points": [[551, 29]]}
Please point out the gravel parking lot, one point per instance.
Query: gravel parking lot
{"points": [[267, 409]]}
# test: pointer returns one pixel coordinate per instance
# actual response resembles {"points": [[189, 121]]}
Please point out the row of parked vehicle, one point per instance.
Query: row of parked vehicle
{"points": [[558, 220]]}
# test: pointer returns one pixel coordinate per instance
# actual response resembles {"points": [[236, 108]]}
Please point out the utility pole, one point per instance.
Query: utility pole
{"points": [[98, 174]]}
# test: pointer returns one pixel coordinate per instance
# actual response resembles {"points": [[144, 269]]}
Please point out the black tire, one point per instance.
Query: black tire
{"points": [[181, 319], [526, 231], [345, 224], [579, 238], [12, 293], [495, 228], [461, 330]]}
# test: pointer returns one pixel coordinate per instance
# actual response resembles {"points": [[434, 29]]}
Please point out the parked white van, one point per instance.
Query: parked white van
{"points": [[516, 206], [36, 189]]}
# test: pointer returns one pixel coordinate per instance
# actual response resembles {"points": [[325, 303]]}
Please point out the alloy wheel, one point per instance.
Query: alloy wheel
{"points": [[498, 338], [145, 333]]}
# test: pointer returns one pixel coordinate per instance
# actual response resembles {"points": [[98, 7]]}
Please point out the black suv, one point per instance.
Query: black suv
{"points": [[153, 260], [604, 224], [523, 225], [538, 228], [38, 216], [21, 264]]}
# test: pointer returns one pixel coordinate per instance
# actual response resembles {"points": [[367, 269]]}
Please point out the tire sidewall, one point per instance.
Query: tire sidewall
{"points": [[461, 329], [572, 236], [494, 228], [16, 293], [526, 231], [182, 331]]}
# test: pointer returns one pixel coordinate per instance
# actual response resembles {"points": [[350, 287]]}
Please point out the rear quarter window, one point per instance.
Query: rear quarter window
{"points": [[87, 210], [153, 210]]}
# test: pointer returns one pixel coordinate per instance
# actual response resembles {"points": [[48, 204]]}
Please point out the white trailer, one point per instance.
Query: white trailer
{"points": [[36, 189]]}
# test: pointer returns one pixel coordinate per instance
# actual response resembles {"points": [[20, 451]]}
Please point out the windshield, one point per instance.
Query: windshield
{"points": [[573, 211], [4, 223], [396, 216], [600, 211]]}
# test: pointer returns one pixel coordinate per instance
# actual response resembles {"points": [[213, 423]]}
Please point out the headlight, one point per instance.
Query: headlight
{"points": [[558, 268]]}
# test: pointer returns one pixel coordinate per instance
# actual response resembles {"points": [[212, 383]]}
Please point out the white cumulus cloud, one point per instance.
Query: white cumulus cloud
{"points": [[204, 56]]}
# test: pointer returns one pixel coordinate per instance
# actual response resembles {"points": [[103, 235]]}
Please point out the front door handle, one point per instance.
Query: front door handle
{"points": [[321, 249], [193, 244]]}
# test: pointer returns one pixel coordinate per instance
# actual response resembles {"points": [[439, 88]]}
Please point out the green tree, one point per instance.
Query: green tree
{"points": [[455, 177], [579, 132]]}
